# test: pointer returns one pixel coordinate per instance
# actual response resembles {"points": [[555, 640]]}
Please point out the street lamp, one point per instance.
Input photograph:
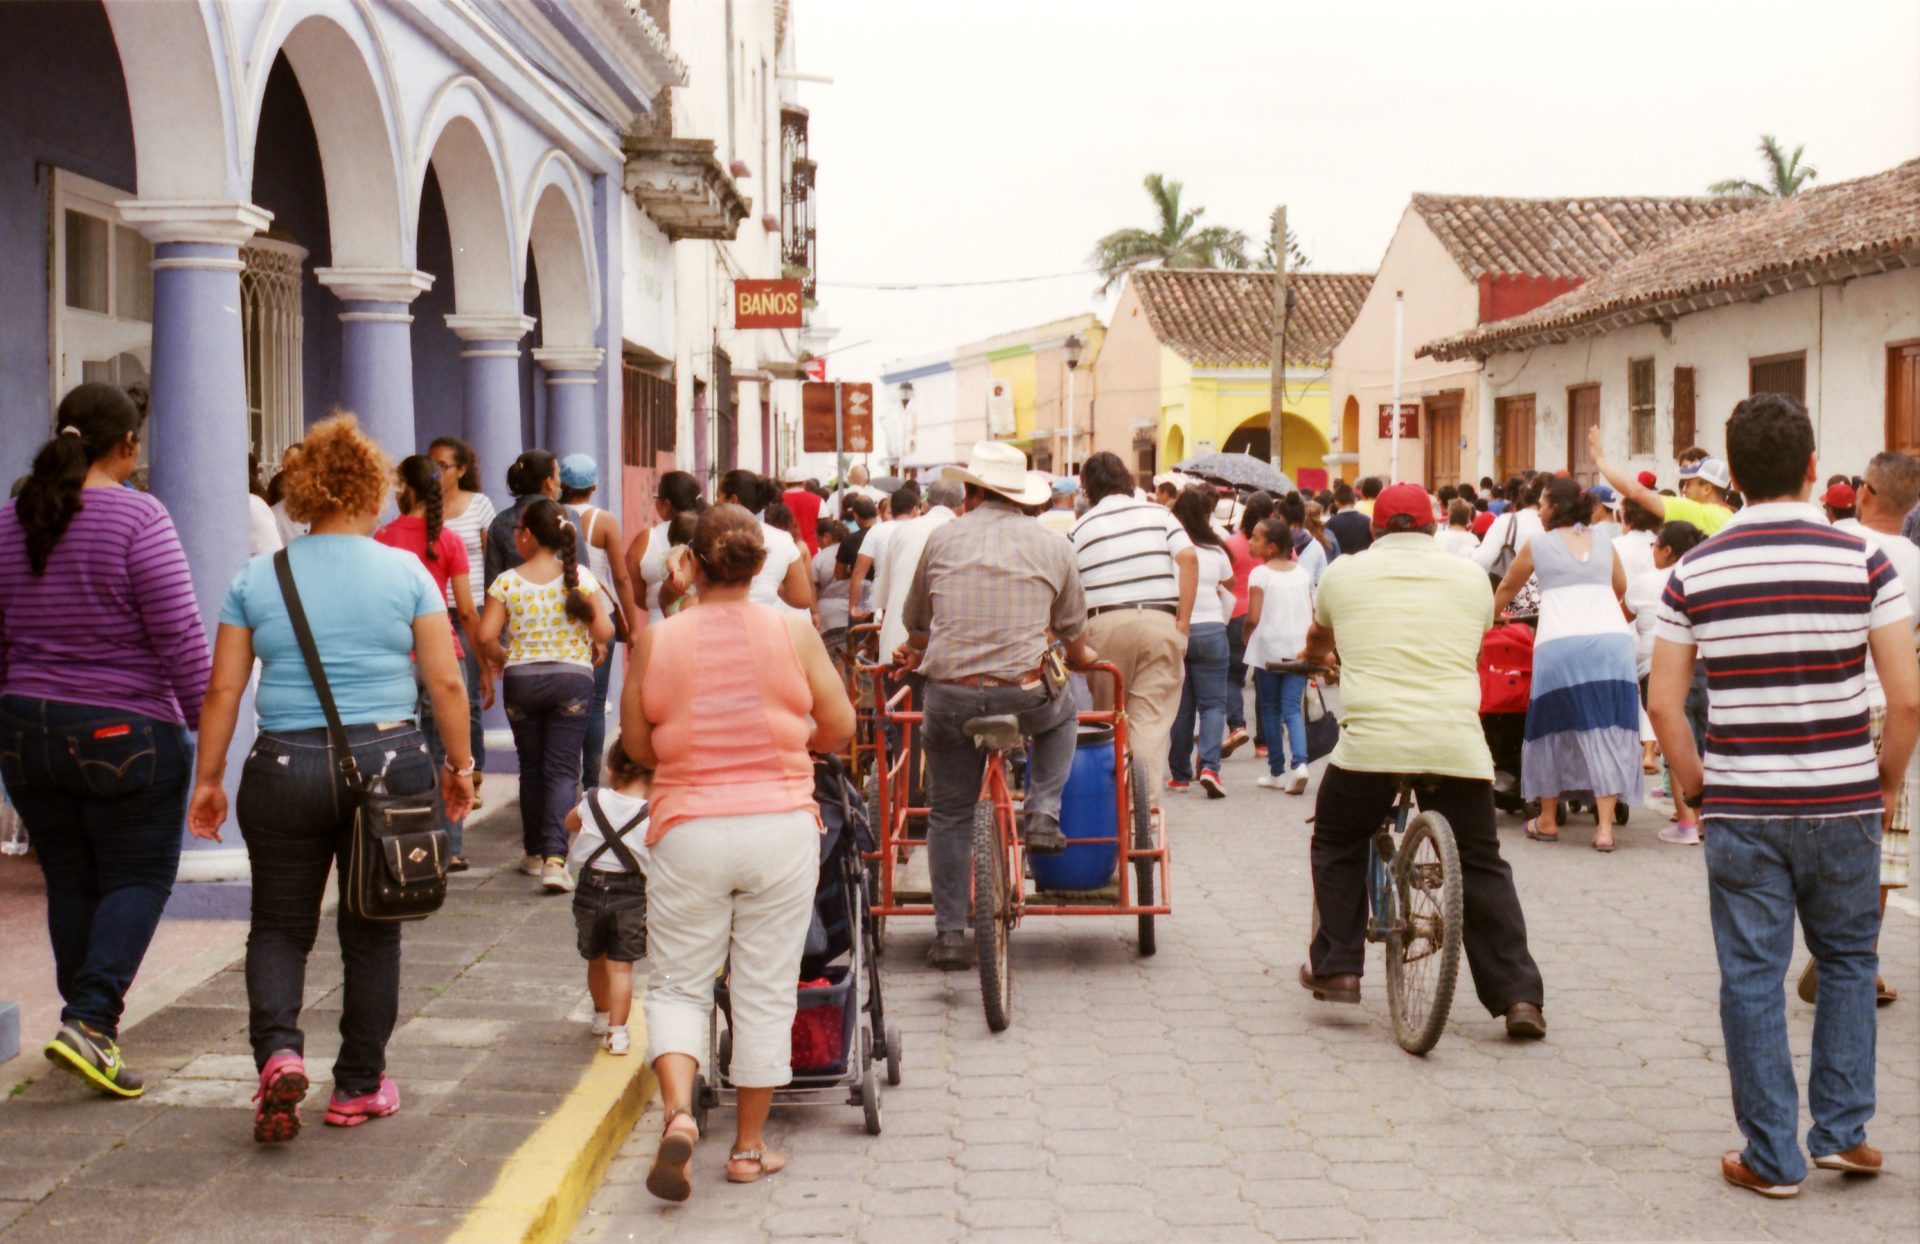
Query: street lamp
{"points": [[1071, 348], [906, 420]]}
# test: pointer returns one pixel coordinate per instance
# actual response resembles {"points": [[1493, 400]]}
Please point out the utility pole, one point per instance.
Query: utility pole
{"points": [[1277, 396]]}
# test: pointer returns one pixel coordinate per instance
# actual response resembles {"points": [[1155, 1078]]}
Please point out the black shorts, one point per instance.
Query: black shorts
{"points": [[610, 912]]}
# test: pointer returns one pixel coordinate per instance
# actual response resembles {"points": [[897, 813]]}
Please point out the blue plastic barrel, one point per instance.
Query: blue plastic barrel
{"points": [[1088, 809]]}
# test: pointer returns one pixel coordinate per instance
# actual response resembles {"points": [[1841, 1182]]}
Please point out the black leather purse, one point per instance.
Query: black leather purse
{"points": [[397, 858]]}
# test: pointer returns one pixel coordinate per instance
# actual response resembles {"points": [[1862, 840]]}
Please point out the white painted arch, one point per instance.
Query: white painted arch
{"points": [[559, 233], [183, 132], [461, 139]]}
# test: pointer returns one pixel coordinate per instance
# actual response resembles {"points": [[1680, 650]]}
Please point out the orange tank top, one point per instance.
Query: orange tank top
{"points": [[729, 705]]}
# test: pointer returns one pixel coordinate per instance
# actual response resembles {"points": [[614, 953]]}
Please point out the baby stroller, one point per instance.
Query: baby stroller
{"points": [[835, 1056], [1506, 687]]}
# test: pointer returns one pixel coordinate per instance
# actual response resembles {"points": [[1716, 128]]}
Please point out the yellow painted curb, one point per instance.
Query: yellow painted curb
{"points": [[545, 1185]]}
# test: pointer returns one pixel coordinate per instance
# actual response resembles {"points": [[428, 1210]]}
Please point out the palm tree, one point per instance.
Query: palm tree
{"points": [[1177, 243], [1785, 173]]}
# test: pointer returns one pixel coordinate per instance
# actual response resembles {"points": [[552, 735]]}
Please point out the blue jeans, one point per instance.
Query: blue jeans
{"points": [[594, 750], [476, 728], [1237, 673], [103, 794], [1278, 699], [548, 704], [296, 816], [423, 712], [1203, 695], [1760, 874]]}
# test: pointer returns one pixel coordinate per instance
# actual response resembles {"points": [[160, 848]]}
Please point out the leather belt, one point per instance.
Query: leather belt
{"points": [[1028, 679], [1097, 610]]}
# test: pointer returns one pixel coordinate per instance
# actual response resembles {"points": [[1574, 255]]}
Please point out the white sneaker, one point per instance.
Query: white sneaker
{"points": [[532, 865], [1297, 781], [600, 1024], [618, 1042], [1272, 781], [554, 877]]}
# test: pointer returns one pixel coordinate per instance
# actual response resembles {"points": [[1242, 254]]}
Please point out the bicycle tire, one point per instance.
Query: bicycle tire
{"points": [[1427, 930], [990, 919], [1143, 870]]}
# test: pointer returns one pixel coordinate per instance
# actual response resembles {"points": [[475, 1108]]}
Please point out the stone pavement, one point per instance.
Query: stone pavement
{"points": [[485, 1055], [1201, 1095]]}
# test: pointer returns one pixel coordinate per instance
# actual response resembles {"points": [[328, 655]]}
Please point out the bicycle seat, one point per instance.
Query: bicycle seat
{"points": [[998, 733]]}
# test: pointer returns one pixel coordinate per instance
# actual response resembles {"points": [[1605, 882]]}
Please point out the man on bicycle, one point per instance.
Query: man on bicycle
{"points": [[989, 587], [1408, 620]]}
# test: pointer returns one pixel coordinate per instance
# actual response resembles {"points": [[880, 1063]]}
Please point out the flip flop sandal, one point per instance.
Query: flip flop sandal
{"points": [[1533, 831], [668, 1178], [769, 1164], [1604, 848]]}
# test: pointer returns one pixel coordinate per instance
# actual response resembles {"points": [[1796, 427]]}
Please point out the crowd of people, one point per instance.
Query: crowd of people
{"points": [[1782, 722]]}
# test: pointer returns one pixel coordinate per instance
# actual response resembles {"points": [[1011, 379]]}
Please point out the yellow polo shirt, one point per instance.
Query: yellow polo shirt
{"points": [[1408, 619], [1707, 517]]}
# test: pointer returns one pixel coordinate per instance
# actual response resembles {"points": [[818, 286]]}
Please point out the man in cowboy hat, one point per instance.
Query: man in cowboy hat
{"points": [[989, 587]]}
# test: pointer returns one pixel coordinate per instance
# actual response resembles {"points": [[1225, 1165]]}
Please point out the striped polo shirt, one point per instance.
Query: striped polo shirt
{"points": [[1126, 548], [1778, 606]]}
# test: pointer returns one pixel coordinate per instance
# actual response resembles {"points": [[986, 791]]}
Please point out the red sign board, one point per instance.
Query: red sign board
{"points": [[816, 417], [1409, 420], [816, 369], [766, 304]]}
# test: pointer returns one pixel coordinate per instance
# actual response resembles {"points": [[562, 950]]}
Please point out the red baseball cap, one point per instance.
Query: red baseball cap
{"points": [[1840, 497], [1649, 480], [1396, 500]]}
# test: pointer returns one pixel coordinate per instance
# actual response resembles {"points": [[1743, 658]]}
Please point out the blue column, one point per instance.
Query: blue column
{"points": [[573, 399], [197, 429], [491, 366], [376, 349]]}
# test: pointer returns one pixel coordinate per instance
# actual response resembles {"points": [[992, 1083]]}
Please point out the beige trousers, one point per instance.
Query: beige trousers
{"points": [[739, 888], [1151, 654]]}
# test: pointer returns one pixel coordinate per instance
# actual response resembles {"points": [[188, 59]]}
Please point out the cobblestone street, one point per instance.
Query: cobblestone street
{"points": [[1201, 1095]]}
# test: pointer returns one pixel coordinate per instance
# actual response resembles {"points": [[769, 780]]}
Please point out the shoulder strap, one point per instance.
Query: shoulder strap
{"points": [[613, 839], [297, 615]]}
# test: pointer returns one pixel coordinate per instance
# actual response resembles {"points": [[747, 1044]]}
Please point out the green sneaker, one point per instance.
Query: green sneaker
{"points": [[95, 1059]]}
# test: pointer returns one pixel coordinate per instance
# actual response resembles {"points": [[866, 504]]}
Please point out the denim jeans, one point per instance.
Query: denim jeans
{"points": [[1696, 708], [1760, 873], [476, 728], [1237, 673], [1278, 697], [1203, 695], [423, 712], [296, 816], [955, 766], [548, 705], [103, 794], [594, 750]]}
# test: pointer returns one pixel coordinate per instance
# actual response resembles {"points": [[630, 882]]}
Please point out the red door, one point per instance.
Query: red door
{"points": [[1583, 415]]}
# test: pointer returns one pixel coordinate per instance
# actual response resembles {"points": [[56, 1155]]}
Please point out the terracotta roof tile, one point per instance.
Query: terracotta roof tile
{"points": [[1576, 238], [1872, 223], [1221, 318]]}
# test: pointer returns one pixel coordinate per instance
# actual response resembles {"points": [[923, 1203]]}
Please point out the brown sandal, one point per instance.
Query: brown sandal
{"points": [[770, 1163], [668, 1178]]}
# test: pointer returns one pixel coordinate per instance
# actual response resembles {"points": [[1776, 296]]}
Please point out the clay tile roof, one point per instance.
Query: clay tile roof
{"points": [[1221, 318], [1847, 229], [1575, 238]]}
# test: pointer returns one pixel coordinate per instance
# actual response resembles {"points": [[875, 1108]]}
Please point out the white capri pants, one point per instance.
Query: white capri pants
{"points": [[739, 886]]}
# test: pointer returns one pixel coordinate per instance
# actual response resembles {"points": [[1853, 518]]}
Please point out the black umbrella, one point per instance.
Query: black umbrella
{"points": [[1240, 470], [888, 484]]}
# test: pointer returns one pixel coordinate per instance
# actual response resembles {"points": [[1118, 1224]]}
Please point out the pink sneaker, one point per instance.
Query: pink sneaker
{"points": [[283, 1085], [353, 1111]]}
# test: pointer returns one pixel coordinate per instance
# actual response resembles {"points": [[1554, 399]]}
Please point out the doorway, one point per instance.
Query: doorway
{"points": [[1443, 440], [1583, 415]]}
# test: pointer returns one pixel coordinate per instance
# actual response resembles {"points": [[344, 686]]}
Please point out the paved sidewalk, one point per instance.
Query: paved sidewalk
{"points": [[1202, 1096], [491, 1056]]}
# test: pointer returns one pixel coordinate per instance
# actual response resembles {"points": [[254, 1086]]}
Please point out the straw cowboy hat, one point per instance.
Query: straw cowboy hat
{"points": [[1001, 468]]}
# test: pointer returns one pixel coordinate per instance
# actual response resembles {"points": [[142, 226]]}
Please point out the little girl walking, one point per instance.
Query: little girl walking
{"points": [[547, 623], [1279, 610], [609, 853]]}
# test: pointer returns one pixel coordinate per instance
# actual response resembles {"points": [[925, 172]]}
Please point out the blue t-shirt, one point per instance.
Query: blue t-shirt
{"points": [[361, 599]]}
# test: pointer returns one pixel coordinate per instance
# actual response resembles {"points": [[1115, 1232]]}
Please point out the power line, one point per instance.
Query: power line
{"points": [[901, 286]]}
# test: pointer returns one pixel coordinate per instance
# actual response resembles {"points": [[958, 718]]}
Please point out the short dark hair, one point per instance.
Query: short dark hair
{"points": [[1459, 513], [1343, 493], [905, 498], [1371, 487], [1639, 517], [1448, 494], [861, 507], [1105, 475], [1769, 443], [1895, 476], [1679, 537]]}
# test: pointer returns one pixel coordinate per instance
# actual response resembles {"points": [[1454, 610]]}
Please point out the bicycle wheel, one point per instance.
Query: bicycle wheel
{"points": [[1424, 937], [1143, 870], [992, 911]]}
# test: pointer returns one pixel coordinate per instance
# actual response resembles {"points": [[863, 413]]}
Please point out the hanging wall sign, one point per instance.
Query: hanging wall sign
{"points": [[766, 304]]}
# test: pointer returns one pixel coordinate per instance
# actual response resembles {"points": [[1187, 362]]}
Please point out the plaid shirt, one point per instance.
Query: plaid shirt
{"points": [[989, 586]]}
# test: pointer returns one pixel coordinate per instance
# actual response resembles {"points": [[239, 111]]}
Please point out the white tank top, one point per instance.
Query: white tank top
{"points": [[597, 560], [653, 570]]}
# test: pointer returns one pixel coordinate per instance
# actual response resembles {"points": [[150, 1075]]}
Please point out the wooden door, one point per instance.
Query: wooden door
{"points": [[1684, 428], [1513, 416], [1443, 441], [1903, 396], [1583, 415]]}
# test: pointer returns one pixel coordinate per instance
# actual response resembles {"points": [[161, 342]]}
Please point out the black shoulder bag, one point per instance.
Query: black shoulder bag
{"points": [[397, 859]]}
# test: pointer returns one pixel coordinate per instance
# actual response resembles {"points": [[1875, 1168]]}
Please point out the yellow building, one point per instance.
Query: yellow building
{"points": [[1184, 369]]}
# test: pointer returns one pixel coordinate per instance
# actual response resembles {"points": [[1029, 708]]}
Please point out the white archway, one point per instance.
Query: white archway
{"points": [[183, 134], [461, 140], [559, 232]]}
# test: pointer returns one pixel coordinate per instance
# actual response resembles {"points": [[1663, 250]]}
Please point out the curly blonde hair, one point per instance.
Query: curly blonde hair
{"points": [[337, 467]]}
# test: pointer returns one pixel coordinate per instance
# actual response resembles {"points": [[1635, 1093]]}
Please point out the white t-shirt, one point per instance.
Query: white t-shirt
{"points": [[1905, 556], [781, 553], [619, 809], [1457, 541], [1643, 599], [1526, 525], [1286, 610], [831, 593], [1635, 551], [873, 547], [470, 525], [1313, 559], [263, 531], [1215, 566]]}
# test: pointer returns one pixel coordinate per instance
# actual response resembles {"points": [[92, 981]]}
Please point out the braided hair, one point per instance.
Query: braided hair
{"points": [[94, 420], [547, 523], [422, 482]]}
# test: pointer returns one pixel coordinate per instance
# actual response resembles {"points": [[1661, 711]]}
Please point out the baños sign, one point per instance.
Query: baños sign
{"points": [[766, 304]]}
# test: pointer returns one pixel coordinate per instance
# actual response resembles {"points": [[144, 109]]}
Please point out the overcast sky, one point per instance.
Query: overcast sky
{"points": [[1000, 138]]}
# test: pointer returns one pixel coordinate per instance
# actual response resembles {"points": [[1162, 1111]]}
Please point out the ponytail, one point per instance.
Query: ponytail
{"points": [[530, 472], [93, 420], [422, 481], [546, 522]]}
